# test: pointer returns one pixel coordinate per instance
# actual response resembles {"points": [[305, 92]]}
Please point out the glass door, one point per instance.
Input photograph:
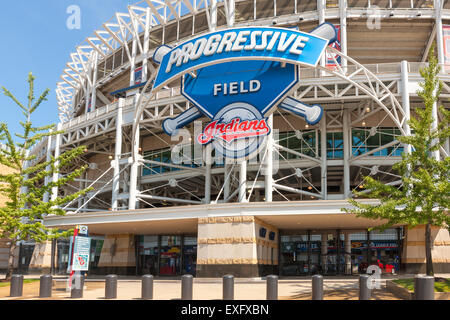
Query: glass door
{"points": [[189, 255], [170, 255], [314, 258], [148, 255]]}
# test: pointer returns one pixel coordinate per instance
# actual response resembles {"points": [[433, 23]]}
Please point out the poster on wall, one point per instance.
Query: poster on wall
{"points": [[446, 45], [336, 45], [138, 76]]}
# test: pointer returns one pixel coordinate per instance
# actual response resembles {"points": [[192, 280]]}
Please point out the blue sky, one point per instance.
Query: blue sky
{"points": [[35, 38]]}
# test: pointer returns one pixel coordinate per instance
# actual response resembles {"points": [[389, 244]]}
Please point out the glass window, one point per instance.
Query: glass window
{"points": [[367, 139], [335, 145]]}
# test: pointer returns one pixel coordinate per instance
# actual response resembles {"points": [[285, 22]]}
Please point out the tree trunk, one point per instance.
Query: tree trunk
{"points": [[429, 261], [10, 268]]}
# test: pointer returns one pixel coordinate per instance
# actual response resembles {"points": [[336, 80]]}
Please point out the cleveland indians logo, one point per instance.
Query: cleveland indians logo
{"points": [[238, 95]]}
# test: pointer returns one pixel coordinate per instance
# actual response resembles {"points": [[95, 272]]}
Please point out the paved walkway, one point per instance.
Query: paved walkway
{"points": [[208, 289]]}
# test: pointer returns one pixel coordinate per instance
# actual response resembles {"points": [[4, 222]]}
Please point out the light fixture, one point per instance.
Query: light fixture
{"points": [[361, 186], [306, 126], [274, 22], [364, 123], [309, 188], [368, 109], [110, 157]]}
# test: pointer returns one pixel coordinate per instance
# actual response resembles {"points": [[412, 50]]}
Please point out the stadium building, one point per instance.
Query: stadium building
{"points": [[167, 205]]}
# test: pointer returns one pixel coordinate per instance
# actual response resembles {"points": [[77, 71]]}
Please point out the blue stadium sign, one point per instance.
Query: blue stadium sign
{"points": [[237, 44], [236, 77]]}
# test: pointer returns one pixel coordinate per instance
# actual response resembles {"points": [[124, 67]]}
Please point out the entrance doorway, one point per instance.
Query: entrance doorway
{"points": [[166, 255], [339, 252]]}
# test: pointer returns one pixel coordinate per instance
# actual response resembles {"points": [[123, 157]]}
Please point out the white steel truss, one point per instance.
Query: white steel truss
{"points": [[351, 93]]}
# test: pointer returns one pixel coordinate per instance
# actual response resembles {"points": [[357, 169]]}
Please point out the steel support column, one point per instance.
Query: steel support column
{"points": [[94, 81], [269, 162], [343, 26], [243, 181], [134, 167], [346, 140], [405, 101], [47, 159], [208, 163], [439, 32], [117, 154], [55, 176], [323, 155]]}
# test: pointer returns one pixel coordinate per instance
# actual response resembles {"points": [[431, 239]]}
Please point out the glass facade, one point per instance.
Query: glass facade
{"points": [[367, 139], [166, 255], [306, 142], [62, 254], [306, 254]]}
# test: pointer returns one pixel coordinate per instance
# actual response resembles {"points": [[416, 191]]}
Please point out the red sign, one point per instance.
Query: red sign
{"points": [[233, 130], [446, 45]]}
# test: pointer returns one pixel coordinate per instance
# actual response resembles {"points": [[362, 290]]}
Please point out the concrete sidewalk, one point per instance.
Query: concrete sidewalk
{"points": [[129, 288], [206, 289]]}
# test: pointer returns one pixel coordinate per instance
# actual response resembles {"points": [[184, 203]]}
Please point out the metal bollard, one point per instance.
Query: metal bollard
{"points": [[77, 287], [45, 286], [147, 286], [16, 289], [364, 290], [186, 287], [423, 288], [111, 286], [228, 287], [272, 287], [317, 287]]}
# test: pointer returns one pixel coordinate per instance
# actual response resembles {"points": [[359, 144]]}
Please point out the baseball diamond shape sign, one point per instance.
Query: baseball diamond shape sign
{"points": [[258, 83], [236, 77]]}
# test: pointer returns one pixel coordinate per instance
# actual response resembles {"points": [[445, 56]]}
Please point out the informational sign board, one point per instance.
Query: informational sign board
{"points": [[81, 254], [79, 250], [138, 76]]}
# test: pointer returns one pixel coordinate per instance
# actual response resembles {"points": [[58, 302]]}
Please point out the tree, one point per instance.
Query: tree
{"points": [[424, 196], [22, 218]]}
